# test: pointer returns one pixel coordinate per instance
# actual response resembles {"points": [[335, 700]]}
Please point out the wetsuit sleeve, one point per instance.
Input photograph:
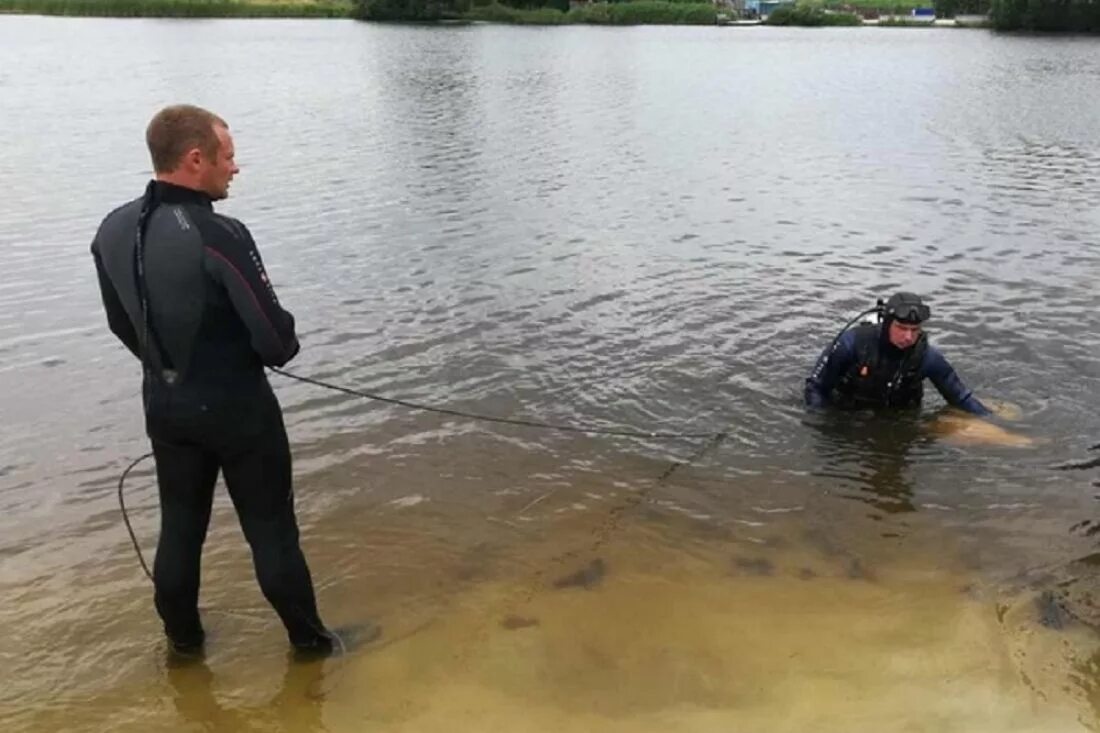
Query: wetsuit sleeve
{"points": [[233, 261], [830, 367], [947, 381], [117, 318]]}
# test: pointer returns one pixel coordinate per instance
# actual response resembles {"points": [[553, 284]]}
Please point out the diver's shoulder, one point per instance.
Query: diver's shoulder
{"points": [[228, 225], [128, 210], [118, 224], [933, 357]]}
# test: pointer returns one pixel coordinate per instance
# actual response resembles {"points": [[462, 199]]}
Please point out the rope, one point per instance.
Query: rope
{"points": [[491, 418]]}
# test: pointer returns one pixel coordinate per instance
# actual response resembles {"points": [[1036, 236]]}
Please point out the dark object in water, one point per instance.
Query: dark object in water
{"points": [[759, 566], [588, 577], [1078, 465], [1087, 526], [856, 571], [1091, 559], [513, 622], [1051, 613]]}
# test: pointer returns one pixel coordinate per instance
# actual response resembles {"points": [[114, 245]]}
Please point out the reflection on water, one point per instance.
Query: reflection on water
{"points": [[297, 705], [874, 449]]}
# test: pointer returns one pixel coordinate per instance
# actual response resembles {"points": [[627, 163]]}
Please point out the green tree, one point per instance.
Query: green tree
{"points": [[412, 10], [1078, 16]]}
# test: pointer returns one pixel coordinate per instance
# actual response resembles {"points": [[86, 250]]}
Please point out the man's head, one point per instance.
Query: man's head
{"points": [[192, 147], [904, 313]]}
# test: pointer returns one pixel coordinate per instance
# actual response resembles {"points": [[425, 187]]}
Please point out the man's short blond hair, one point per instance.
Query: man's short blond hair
{"points": [[179, 128]]}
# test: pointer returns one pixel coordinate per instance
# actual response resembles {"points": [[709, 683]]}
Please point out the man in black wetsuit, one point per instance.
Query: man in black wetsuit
{"points": [[186, 292], [885, 364]]}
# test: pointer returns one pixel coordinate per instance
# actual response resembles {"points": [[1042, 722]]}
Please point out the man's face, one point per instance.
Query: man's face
{"points": [[216, 173], [903, 335]]}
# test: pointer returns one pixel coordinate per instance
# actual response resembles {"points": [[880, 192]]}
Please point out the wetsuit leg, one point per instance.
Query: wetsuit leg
{"points": [[259, 482], [186, 475]]}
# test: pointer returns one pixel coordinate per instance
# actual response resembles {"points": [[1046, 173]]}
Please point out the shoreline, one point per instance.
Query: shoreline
{"points": [[344, 10]]}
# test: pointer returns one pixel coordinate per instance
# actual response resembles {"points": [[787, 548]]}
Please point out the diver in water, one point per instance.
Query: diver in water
{"points": [[885, 364]]}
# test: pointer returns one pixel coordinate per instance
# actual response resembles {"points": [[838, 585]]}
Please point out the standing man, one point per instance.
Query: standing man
{"points": [[186, 292], [885, 364]]}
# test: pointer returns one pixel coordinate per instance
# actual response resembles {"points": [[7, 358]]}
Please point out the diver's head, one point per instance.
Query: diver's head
{"points": [[903, 315]]}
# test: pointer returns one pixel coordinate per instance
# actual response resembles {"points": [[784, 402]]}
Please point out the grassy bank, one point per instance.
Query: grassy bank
{"points": [[868, 8], [811, 15], [181, 8], [898, 10]]}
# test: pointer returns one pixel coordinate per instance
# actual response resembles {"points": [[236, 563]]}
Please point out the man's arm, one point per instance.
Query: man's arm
{"points": [[830, 367], [233, 260], [947, 381], [117, 318]]}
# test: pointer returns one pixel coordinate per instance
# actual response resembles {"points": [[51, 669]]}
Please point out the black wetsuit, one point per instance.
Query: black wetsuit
{"points": [[213, 324], [861, 369]]}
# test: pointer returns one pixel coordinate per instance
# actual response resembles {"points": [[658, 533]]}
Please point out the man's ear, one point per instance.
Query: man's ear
{"points": [[192, 158]]}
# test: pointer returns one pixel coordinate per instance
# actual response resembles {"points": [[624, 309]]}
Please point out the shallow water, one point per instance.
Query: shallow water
{"points": [[653, 228]]}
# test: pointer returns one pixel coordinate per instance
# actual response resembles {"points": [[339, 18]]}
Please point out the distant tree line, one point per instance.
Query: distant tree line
{"points": [[410, 10], [1078, 16], [951, 8], [416, 10], [548, 12], [1082, 16]]}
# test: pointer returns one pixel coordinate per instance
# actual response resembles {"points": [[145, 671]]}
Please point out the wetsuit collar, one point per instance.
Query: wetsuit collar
{"points": [[170, 193]]}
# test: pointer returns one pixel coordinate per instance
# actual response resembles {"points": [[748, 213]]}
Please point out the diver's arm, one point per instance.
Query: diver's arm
{"points": [[233, 260], [117, 318], [946, 380], [830, 366]]}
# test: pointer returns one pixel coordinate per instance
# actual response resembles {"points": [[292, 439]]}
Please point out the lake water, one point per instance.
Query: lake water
{"points": [[629, 228]]}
